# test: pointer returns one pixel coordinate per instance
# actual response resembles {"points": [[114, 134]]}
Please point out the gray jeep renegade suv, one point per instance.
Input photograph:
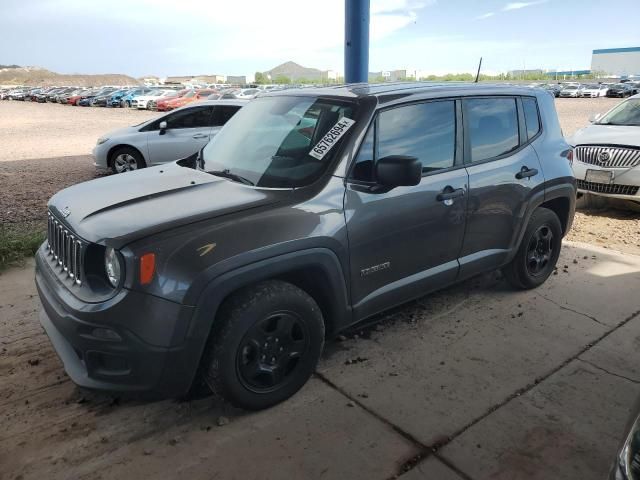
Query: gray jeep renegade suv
{"points": [[311, 210]]}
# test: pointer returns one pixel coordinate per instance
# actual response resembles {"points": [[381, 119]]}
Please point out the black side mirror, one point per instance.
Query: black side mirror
{"points": [[398, 171], [163, 127]]}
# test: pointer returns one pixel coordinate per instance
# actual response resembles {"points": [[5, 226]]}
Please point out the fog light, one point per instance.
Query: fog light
{"points": [[106, 334]]}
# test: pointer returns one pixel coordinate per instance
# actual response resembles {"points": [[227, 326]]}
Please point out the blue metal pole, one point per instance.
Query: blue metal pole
{"points": [[356, 41]]}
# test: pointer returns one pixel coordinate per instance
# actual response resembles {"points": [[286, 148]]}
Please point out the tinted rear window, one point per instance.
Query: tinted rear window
{"points": [[493, 127], [530, 107]]}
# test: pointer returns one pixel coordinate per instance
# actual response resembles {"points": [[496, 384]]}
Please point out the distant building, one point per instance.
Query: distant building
{"points": [[523, 73], [237, 79], [208, 79], [618, 62], [296, 72], [567, 74], [150, 81], [177, 80], [389, 75]]}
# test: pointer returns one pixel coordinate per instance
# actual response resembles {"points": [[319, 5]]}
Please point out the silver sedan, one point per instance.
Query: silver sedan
{"points": [[167, 138]]}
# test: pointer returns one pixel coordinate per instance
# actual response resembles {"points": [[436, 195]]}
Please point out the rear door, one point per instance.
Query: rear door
{"points": [[187, 132], [504, 173]]}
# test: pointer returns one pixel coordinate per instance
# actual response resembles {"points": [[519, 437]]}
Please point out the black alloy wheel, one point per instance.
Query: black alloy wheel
{"points": [[270, 351], [540, 250]]}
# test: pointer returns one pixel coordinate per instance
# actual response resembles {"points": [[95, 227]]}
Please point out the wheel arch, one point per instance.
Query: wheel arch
{"points": [[560, 198], [317, 271], [115, 148]]}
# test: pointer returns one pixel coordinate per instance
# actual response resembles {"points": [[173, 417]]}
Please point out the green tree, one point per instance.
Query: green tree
{"points": [[281, 79], [260, 78]]}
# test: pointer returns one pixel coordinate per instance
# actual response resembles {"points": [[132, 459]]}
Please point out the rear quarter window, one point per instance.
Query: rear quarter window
{"points": [[531, 116]]}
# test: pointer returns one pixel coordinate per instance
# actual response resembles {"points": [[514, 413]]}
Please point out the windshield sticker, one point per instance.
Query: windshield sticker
{"points": [[331, 138]]}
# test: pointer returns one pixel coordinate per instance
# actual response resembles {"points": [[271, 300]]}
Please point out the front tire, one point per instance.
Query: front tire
{"points": [[538, 252], [126, 159], [265, 345]]}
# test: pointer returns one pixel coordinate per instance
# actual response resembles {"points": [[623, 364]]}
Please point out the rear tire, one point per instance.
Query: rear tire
{"points": [[538, 252], [126, 159], [265, 344]]}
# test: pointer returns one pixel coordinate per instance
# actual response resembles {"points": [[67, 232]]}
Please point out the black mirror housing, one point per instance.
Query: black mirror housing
{"points": [[398, 171]]}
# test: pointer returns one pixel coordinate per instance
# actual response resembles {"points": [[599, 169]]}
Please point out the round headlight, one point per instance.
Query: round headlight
{"points": [[112, 266]]}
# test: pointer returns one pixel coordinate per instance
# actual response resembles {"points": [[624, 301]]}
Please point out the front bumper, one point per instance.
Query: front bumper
{"points": [[625, 184], [126, 360]]}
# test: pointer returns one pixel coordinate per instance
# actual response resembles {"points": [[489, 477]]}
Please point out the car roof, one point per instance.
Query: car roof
{"points": [[394, 89], [235, 103]]}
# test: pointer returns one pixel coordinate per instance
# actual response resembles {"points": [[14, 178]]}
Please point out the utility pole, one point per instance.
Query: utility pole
{"points": [[356, 41]]}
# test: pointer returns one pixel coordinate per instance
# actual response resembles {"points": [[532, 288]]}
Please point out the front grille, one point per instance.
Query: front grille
{"points": [[612, 188], [65, 249], [612, 157]]}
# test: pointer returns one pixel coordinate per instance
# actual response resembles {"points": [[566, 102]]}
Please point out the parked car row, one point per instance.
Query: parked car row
{"points": [[591, 90], [143, 98]]}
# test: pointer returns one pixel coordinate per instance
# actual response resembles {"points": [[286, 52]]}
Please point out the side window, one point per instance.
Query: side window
{"points": [[190, 118], [493, 127], [425, 130], [530, 107], [222, 114]]}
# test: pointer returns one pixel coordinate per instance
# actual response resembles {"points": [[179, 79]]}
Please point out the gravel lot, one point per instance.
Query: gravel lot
{"points": [[46, 147]]}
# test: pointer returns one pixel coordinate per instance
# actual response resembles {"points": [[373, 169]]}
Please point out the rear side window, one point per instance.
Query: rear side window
{"points": [[531, 118], [190, 118], [222, 114], [493, 127]]}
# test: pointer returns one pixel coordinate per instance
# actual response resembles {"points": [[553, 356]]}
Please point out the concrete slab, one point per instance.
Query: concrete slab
{"points": [[314, 435], [599, 285], [446, 367], [567, 427], [619, 352], [431, 469]]}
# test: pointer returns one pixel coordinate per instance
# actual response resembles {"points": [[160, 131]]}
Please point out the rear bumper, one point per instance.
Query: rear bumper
{"points": [[104, 355]]}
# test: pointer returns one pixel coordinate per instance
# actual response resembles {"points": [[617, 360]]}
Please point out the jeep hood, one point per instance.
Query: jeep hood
{"points": [[607, 135], [118, 209]]}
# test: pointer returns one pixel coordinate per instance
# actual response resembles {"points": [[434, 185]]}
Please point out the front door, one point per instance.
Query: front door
{"points": [[504, 173], [188, 130], [405, 242]]}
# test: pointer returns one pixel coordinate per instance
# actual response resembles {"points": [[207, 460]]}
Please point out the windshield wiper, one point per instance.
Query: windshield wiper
{"points": [[231, 176]]}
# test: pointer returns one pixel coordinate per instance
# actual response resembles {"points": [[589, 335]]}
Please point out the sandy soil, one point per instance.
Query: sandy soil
{"points": [[36, 130]]}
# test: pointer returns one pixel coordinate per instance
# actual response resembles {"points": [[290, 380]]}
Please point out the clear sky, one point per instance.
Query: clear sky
{"points": [[188, 37]]}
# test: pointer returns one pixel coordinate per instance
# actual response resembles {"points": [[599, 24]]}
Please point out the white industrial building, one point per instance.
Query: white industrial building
{"points": [[617, 62]]}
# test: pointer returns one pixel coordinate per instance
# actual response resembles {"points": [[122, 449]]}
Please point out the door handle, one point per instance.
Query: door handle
{"points": [[449, 193], [198, 136], [526, 172]]}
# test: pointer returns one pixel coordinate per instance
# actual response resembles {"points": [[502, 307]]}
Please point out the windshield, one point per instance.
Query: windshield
{"points": [[570, 87], [279, 142], [627, 113]]}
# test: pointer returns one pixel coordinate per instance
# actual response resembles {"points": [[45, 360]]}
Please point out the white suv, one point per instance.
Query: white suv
{"points": [[607, 153]]}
